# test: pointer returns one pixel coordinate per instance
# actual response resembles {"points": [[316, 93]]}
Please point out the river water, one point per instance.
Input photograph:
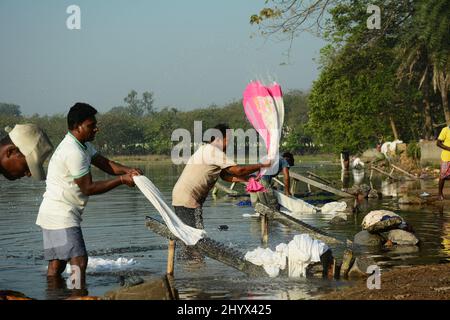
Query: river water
{"points": [[114, 230]]}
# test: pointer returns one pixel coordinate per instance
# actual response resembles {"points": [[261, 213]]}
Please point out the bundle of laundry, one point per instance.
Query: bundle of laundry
{"points": [[296, 255], [382, 220]]}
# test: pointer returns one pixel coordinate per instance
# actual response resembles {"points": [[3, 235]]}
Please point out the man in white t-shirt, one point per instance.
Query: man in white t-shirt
{"points": [[201, 173], [69, 185]]}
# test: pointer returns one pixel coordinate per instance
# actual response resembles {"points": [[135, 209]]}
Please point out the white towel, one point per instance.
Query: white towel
{"points": [[185, 233]]}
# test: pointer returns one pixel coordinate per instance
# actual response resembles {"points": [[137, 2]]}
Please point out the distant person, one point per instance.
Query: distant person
{"points": [[23, 152], [69, 185], [268, 197], [200, 175], [443, 142]]}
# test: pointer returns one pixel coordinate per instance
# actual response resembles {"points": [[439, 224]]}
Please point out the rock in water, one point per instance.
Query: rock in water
{"points": [[385, 225], [359, 268], [411, 200], [364, 238], [402, 237]]}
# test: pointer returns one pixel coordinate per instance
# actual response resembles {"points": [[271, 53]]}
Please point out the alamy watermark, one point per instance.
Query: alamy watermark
{"points": [[374, 21], [374, 280], [73, 22]]}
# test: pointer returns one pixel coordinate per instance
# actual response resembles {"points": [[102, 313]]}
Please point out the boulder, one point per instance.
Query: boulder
{"points": [[401, 237], [156, 289], [374, 194], [338, 220], [364, 238], [359, 267], [410, 200], [385, 225]]}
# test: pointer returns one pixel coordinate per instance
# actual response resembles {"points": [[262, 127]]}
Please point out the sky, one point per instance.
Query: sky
{"points": [[190, 54]]}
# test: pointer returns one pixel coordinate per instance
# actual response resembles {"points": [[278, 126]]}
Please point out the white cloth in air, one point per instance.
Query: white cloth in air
{"points": [[390, 146], [300, 252], [375, 216], [185, 233]]}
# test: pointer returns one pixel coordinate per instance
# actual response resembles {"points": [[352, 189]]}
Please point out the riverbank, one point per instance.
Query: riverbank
{"points": [[425, 282]]}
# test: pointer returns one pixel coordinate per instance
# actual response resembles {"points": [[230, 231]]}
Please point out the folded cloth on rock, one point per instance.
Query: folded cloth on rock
{"points": [[376, 216], [185, 233], [300, 252], [333, 207]]}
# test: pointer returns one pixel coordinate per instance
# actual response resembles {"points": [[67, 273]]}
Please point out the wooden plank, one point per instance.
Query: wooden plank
{"points": [[405, 172], [385, 173], [295, 223], [320, 185], [170, 257], [318, 177], [224, 188], [213, 249]]}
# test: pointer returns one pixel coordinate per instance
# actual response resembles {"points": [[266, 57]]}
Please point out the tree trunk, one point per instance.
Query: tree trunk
{"points": [[444, 95], [428, 119], [394, 128]]}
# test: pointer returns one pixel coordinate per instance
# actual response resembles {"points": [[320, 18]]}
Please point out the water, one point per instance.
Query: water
{"points": [[114, 227]]}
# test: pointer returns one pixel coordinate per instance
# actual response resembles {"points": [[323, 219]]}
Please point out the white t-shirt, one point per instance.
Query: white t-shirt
{"points": [[64, 202], [199, 176]]}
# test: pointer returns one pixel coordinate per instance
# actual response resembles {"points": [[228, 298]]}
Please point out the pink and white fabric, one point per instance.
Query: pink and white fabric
{"points": [[264, 109]]}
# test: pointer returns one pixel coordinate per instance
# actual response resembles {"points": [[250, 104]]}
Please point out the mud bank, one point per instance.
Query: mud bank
{"points": [[427, 282]]}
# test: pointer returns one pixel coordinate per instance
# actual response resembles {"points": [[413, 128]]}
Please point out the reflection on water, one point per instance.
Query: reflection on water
{"points": [[114, 228]]}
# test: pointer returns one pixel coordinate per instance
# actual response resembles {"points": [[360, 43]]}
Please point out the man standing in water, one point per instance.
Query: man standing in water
{"points": [[69, 185], [23, 152], [201, 173], [443, 142]]}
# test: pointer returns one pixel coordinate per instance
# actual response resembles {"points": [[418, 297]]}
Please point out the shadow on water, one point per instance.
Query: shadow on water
{"points": [[113, 229]]}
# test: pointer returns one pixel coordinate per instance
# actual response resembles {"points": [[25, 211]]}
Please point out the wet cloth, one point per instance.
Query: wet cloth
{"points": [[199, 176], [299, 253], [445, 170], [444, 136], [63, 202], [63, 244], [185, 233]]}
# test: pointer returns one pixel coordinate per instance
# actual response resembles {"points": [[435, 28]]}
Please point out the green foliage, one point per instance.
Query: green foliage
{"points": [[413, 151]]}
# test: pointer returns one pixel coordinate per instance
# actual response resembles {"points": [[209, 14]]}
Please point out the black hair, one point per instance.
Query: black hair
{"points": [[289, 158], [222, 127], [79, 113]]}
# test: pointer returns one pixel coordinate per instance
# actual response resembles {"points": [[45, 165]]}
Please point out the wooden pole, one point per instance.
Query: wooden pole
{"points": [[171, 257], [404, 171], [320, 185], [264, 229]]}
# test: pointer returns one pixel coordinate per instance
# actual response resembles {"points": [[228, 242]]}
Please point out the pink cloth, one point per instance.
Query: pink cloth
{"points": [[254, 186]]}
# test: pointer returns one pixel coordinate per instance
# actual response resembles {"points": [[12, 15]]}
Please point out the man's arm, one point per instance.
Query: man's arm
{"points": [[287, 185], [245, 170], [112, 167], [441, 145], [89, 187], [227, 177]]}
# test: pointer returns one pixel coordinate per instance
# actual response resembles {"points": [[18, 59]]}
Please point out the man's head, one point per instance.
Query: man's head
{"points": [[23, 152], [289, 158], [81, 120], [224, 130]]}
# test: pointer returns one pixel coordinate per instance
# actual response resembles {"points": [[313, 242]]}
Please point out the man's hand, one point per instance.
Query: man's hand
{"points": [[134, 171], [128, 179]]}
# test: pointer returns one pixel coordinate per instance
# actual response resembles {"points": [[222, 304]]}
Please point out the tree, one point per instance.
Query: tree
{"points": [[8, 109]]}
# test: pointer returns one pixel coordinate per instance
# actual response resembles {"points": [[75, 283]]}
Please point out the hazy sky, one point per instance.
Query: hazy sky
{"points": [[190, 53]]}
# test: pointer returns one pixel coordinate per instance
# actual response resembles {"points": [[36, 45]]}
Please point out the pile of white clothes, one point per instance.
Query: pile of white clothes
{"points": [[299, 253], [185, 233]]}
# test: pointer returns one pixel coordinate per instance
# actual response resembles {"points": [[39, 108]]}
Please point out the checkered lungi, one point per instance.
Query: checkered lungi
{"points": [[445, 169]]}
